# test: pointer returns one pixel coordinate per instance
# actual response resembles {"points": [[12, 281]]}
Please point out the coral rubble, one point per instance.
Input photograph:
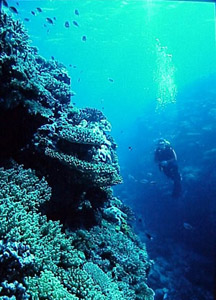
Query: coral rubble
{"points": [[63, 235]]}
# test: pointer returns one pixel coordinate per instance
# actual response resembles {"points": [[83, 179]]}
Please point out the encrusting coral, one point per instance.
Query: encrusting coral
{"points": [[62, 233]]}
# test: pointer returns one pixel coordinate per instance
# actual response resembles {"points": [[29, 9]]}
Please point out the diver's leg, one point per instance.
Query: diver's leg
{"points": [[177, 188]]}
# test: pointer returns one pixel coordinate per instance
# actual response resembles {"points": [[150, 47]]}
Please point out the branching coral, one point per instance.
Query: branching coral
{"points": [[47, 286], [50, 251], [119, 255], [109, 289], [23, 185], [16, 262], [21, 194]]}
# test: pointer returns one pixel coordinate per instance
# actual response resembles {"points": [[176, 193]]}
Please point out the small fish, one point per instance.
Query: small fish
{"points": [[33, 13], [131, 177], [193, 133], [76, 12], [130, 148], [54, 18], [13, 9], [39, 9], [78, 80], [52, 57], [5, 3], [74, 67], [152, 182], [149, 236], [75, 23], [70, 65], [144, 181], [110, 79], [165, 296], [26, 19], [17, 3], [84, 38], [188, 226], [50, 21], [67, 24]]}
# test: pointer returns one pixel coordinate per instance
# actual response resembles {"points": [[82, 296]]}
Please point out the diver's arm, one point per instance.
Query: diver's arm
{"points": [[172, 159], [174, 156]]}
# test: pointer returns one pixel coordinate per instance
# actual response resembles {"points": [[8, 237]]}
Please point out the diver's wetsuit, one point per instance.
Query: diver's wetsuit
{"points": [[167, 162]]}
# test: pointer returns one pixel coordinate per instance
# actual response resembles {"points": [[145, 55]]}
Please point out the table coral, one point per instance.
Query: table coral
{"points": [[82, 145]]}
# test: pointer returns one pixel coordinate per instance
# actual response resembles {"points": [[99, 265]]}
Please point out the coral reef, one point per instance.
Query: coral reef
{"points": [[27, 76], [77, 139], [41, 129], [34, 249], [119, 255], [63, 235]]}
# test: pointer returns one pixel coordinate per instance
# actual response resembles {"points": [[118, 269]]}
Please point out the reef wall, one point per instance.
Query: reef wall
{"points": [[63, 234]]}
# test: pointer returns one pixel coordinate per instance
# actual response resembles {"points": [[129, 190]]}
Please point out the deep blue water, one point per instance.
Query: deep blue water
{"points": [[150, 67]]}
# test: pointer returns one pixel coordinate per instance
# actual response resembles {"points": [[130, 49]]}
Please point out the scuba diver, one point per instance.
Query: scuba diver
{"points": [[166, 158]]}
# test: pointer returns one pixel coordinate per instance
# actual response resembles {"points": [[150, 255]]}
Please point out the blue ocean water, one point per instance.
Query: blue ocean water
{"points": [[150, 67]]}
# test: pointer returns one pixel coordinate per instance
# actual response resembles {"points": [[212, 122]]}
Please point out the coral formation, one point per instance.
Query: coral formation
{"points": [[16, 262], [63, 235], [80, 144], [27, 76], [119, 255]]}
